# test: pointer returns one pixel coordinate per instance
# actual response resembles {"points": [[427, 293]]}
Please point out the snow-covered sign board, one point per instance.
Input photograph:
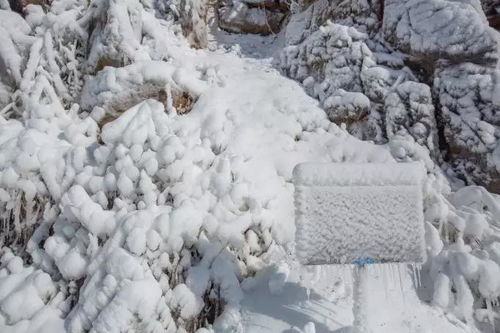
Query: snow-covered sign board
{"points": [[359, 213]]}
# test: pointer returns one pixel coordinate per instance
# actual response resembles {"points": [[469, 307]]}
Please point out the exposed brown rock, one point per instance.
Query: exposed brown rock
{"points": [[181, 101], [107, 61], [494, 21], [252, 16]]}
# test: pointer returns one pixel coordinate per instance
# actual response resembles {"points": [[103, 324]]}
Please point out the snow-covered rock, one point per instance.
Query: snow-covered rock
{"points": [[433, 29], [252, 16]]}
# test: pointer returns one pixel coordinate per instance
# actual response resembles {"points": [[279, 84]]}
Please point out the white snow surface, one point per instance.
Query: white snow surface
{"points": [[321, 297]]}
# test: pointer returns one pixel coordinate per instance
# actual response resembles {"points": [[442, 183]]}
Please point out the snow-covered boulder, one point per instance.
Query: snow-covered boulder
{"points": [[433, 29], [347, 107]]}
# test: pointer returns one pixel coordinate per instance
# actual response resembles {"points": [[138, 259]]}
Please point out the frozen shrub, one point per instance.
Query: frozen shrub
{"points": [[334, 56], [193, 21], [464, 264], [123, 32], [336, 66], [16, 41], [470, 109], [461, 241], [29, 296], [409, 110], [361, 14]]}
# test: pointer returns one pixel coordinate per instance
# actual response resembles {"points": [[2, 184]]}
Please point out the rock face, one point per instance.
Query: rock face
{"points": [[492, 10], [252, 16], [434, 29]]}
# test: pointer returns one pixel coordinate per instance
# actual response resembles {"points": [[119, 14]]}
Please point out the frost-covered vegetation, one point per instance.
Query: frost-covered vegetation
{"points": [[146, 168]]}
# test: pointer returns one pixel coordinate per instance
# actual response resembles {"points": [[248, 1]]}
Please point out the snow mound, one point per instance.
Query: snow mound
{"points": [[347, 212]]}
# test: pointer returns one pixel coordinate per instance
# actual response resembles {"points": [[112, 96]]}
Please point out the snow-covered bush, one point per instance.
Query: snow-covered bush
{"points": [[462, 240], [335, 65], [364, 15], [464, 263], [193, 20], [409, 110], [123, 32], [470, 111], [16, 39], [28, 297]]}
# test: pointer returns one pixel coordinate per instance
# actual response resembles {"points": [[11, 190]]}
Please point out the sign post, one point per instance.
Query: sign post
{"points": [[359, 214]]}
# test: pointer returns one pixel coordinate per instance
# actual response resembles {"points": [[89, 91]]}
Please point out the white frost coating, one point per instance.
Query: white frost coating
{"points": [[24, 292], [345, 212], [186, 301], [79, 206], [351, 174], [140, 123]]}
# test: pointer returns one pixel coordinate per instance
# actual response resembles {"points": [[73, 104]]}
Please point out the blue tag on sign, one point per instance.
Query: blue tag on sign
{"points": [[363, 261]]}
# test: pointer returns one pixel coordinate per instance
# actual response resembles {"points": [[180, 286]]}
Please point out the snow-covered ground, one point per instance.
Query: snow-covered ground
{"points": [[322, 296]]}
